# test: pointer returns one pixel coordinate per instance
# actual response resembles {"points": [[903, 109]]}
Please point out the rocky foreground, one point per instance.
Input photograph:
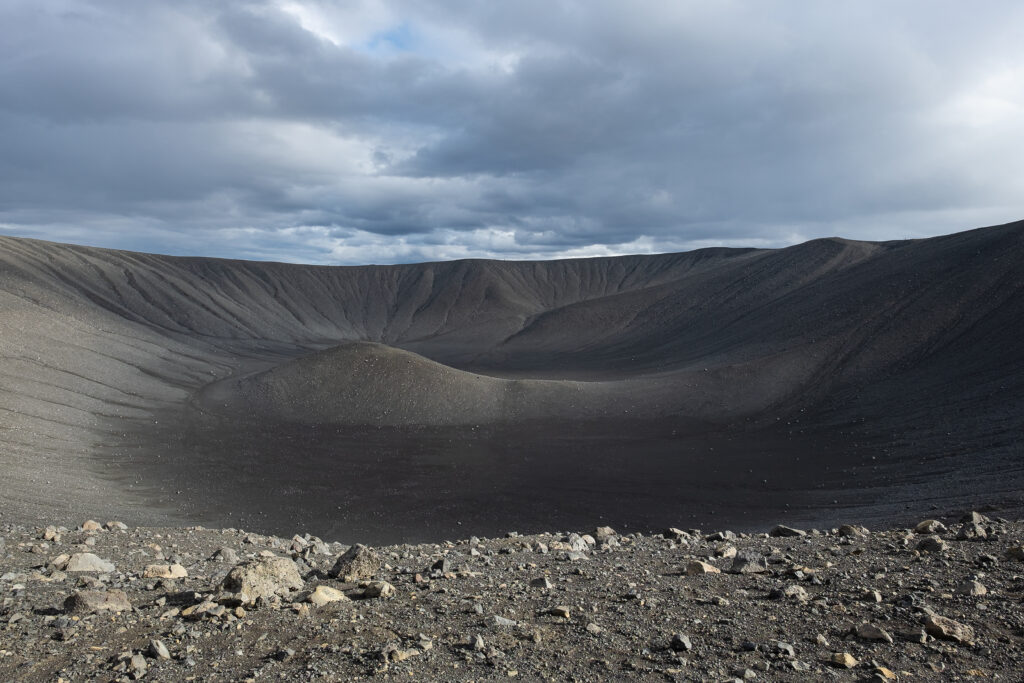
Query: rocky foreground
{"points": [[105, 602]]}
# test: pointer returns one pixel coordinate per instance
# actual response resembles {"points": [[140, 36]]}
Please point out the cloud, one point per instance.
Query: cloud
{"points": [[387, 131]]}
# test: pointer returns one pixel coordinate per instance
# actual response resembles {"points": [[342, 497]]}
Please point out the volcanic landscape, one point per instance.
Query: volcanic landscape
{"points": [[823, 382]]}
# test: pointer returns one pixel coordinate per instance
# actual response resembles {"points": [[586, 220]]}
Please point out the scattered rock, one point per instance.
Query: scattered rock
{"points": [[791, 592], [681, 643], [164, 571], [89, 602], [973, 588], [869, 631], [1015, 553], [930, 526], [971, 532], [932, 544], [225, 554], [947, 629], [843, 660], [782, 531], [158, 650], [379, 589], [696, 568], [263, 577], [138, 666], [974, 518], [749, 563], [323, 595], [90, 525], [87, 562], [358, 563], [560, 611]]}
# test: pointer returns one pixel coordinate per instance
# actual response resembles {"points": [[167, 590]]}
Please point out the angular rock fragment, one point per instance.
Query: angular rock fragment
{"points": [[697, 568], [947, 629], [974, 518], [1015, 553], [379, 589], [782, 531], [869, 631], [158, 650], [89, 602], [792, 592], [263, 577], [225, 554], [749, 563], [973, 588], [971, 532], [681, 643], [87, 562], [560, 611], [930, 526], [932, 544], [323, 595], [164, 571], [358, 563], [843, 660]]}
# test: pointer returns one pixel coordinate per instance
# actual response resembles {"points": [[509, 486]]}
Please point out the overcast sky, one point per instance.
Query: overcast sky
{"points": [[380, 131]]}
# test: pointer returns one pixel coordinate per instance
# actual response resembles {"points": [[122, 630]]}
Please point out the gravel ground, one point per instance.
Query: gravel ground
{"points": [[101, 602]]}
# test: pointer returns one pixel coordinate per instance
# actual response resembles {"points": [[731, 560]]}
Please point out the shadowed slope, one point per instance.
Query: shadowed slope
{"points": [[364, 383]]}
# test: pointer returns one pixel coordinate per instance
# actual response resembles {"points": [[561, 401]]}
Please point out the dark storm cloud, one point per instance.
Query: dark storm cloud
{"points": [[389, 131]]}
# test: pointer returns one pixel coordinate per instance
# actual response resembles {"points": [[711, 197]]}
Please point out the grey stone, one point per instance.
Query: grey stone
{"points": [[869, 631], [1015, 553], [681, 643], [263, 577], [971, 532], [357, 563], [89, 602], [930, 526], [792, 592], [932, 544], [227, 555], [158, 650], [782, 531], [379, 589], [749, 563], [973, 588], [87, 562], [947, 629]]}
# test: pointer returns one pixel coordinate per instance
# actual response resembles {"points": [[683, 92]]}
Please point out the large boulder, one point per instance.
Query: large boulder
{"points": [[263, 577], [358, 563]]}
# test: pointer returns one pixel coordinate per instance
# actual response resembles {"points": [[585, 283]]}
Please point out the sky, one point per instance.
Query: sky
{"points": [[378, 131]]}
